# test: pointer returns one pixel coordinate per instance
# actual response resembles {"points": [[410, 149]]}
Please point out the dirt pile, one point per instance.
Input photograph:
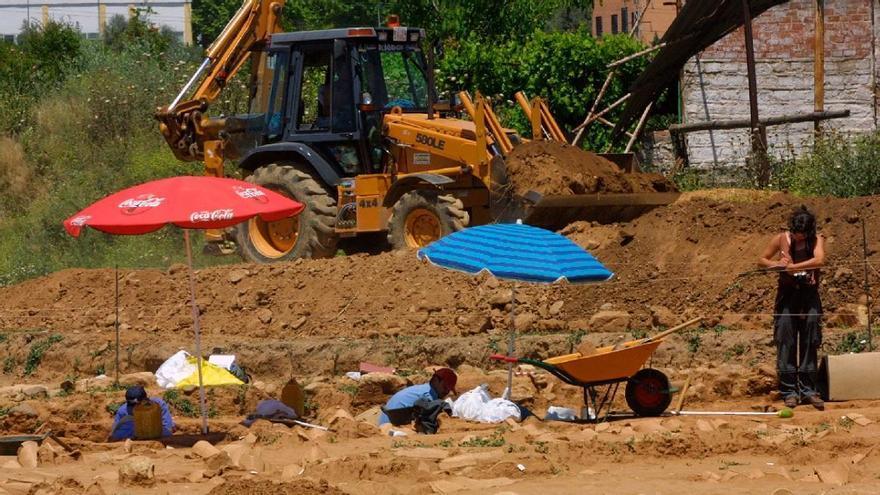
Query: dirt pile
{"points": [[266, 487], [326, 316], [687, 257], [668, 264], [552, 168]]}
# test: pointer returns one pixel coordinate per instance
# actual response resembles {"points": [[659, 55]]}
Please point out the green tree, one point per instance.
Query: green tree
{"points": [[486, 19], [444, 19], [209, 17], [137, 31], [566, 68]]}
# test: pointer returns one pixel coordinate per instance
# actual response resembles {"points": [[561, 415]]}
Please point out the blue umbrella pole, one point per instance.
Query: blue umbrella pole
{"points": [[511, 343]]}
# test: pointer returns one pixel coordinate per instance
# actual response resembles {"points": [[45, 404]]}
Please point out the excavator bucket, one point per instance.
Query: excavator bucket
{"points": [[509, 203], [556, 211]]}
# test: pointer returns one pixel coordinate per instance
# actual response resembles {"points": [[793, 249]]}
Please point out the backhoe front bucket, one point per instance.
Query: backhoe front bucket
{"points": [[556, 211]]}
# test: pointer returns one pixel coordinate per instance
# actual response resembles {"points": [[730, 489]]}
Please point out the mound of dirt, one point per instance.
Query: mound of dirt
{"points": [[265, 487], [552, 168], [326, 316]]}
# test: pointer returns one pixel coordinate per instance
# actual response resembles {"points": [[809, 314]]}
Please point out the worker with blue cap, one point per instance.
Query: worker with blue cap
{"points": [[123, 420]]}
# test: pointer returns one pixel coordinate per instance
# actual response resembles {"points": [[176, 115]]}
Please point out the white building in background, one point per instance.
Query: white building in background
{"points": [[90, 16]]}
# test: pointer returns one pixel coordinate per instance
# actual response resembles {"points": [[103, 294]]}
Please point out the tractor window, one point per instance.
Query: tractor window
{"points": [[315, 92], [268, 98], [404, 80], [343, 94], [396, 76]]}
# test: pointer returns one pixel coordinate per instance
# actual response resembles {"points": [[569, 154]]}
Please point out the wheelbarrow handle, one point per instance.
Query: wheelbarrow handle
{"points": [[502, 357]]}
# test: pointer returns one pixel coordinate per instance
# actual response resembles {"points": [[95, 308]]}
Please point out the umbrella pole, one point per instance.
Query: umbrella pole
{"points": [[511, 342], [195, 314], [116, 323]]}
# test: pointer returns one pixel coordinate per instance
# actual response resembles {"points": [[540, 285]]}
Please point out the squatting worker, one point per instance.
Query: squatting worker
{"points": [[123, 421], [442, 383], [797, 254]]}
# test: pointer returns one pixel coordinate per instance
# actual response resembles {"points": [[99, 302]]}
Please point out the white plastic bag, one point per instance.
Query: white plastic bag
{"points": [[478, 405], [174, 369], [561, 414]]}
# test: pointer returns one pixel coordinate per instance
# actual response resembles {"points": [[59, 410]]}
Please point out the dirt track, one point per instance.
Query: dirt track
{"points": [[318, 319]]}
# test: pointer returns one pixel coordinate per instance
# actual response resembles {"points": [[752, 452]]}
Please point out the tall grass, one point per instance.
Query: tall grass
{"points": [[79, 135]]}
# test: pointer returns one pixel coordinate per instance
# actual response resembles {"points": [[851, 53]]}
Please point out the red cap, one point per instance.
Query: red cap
{"points": [[448, 377]]}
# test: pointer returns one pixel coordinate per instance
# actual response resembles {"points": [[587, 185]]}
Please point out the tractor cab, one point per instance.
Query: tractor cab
{"points": [[328, 90]]}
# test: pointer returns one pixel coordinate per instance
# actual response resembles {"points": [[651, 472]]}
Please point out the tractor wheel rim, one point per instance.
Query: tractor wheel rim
{"points": [[649, 392], [422, 228], [274, 239]]}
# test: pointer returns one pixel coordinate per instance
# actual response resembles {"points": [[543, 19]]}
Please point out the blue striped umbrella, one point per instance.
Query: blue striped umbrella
{"points": [[515, 252]]}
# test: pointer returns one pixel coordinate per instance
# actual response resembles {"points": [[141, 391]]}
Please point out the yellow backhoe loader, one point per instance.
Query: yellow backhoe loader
{"points": [[347, 122]]}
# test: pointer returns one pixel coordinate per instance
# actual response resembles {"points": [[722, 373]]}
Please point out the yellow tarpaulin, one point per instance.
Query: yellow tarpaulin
{"points": [[212, 375]]}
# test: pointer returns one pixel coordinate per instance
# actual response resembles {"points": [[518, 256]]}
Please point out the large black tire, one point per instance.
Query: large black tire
{"points": [[647, 392], [315, 236], [447, 211]]}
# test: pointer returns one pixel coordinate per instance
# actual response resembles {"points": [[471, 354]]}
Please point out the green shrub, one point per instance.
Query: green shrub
{"points": [[180, 404], [838, 166], [852, 342], [35, 356]]}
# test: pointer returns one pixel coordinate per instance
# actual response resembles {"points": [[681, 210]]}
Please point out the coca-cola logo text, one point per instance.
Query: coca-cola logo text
{"points": [[211, 216], [140, 204], [80, 220], [251, 193]]}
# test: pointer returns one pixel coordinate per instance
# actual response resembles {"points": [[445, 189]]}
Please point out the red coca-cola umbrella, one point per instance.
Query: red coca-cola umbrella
{"points": [[190, 203]]}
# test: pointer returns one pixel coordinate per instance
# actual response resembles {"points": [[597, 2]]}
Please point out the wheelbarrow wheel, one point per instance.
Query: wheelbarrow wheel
{"points": [[647, 392]]}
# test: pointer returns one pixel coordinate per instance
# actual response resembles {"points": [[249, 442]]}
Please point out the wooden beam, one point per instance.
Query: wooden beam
{"points": [[714, 125], [638, 129], [758, 134], [603, 112], [636, 24], [636, 55], [585, 123], [819, 63]]}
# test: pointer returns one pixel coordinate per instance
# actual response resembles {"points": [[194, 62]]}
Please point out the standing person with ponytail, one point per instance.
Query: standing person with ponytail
{"points": [[798, 255]]}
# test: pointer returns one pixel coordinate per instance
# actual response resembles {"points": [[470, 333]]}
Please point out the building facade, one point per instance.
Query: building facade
{"points": [[90, 17], [715, 85], [619, 16]]}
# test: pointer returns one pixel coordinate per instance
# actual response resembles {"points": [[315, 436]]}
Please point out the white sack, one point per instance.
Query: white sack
{"points": [[478, 405], [174, 369]]}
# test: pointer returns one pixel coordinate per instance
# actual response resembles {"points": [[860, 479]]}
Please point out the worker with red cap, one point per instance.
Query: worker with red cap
{"points": [[442, 383]]}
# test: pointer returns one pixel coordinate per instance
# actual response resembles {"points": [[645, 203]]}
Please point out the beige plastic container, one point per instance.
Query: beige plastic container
{"points": [[147, 421]]}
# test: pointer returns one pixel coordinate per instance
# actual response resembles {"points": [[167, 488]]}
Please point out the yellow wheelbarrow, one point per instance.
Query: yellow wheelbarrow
{"points": [[647, 389]]}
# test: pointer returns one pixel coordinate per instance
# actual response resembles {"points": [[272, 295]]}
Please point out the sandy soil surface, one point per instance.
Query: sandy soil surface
{"points": [[316, 320]]}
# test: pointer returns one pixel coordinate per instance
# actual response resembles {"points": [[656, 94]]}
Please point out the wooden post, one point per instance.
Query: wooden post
{"points": [[635, 26], [758, 139], [592, 111], [635, 134], [819, 64]]}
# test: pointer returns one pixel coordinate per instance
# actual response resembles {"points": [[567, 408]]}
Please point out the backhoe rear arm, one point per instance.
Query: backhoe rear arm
{"points": [[183, 123]]}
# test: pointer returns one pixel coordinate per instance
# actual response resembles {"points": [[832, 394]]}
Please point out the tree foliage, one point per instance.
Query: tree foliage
{"points": [[444, 19], [122, 33], [566, 68]]}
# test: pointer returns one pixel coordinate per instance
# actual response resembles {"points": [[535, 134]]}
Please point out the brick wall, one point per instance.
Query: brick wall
{"points": [[716, 85]]}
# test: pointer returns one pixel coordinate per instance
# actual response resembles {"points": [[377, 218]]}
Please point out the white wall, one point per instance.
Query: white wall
{"points": [[84, 13]]}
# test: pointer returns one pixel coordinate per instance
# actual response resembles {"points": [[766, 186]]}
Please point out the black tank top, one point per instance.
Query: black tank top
{"points": [[798, 255]]}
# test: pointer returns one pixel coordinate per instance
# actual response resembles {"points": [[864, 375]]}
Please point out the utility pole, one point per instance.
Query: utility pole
{"points": [[758, 132], [819, 64]]}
